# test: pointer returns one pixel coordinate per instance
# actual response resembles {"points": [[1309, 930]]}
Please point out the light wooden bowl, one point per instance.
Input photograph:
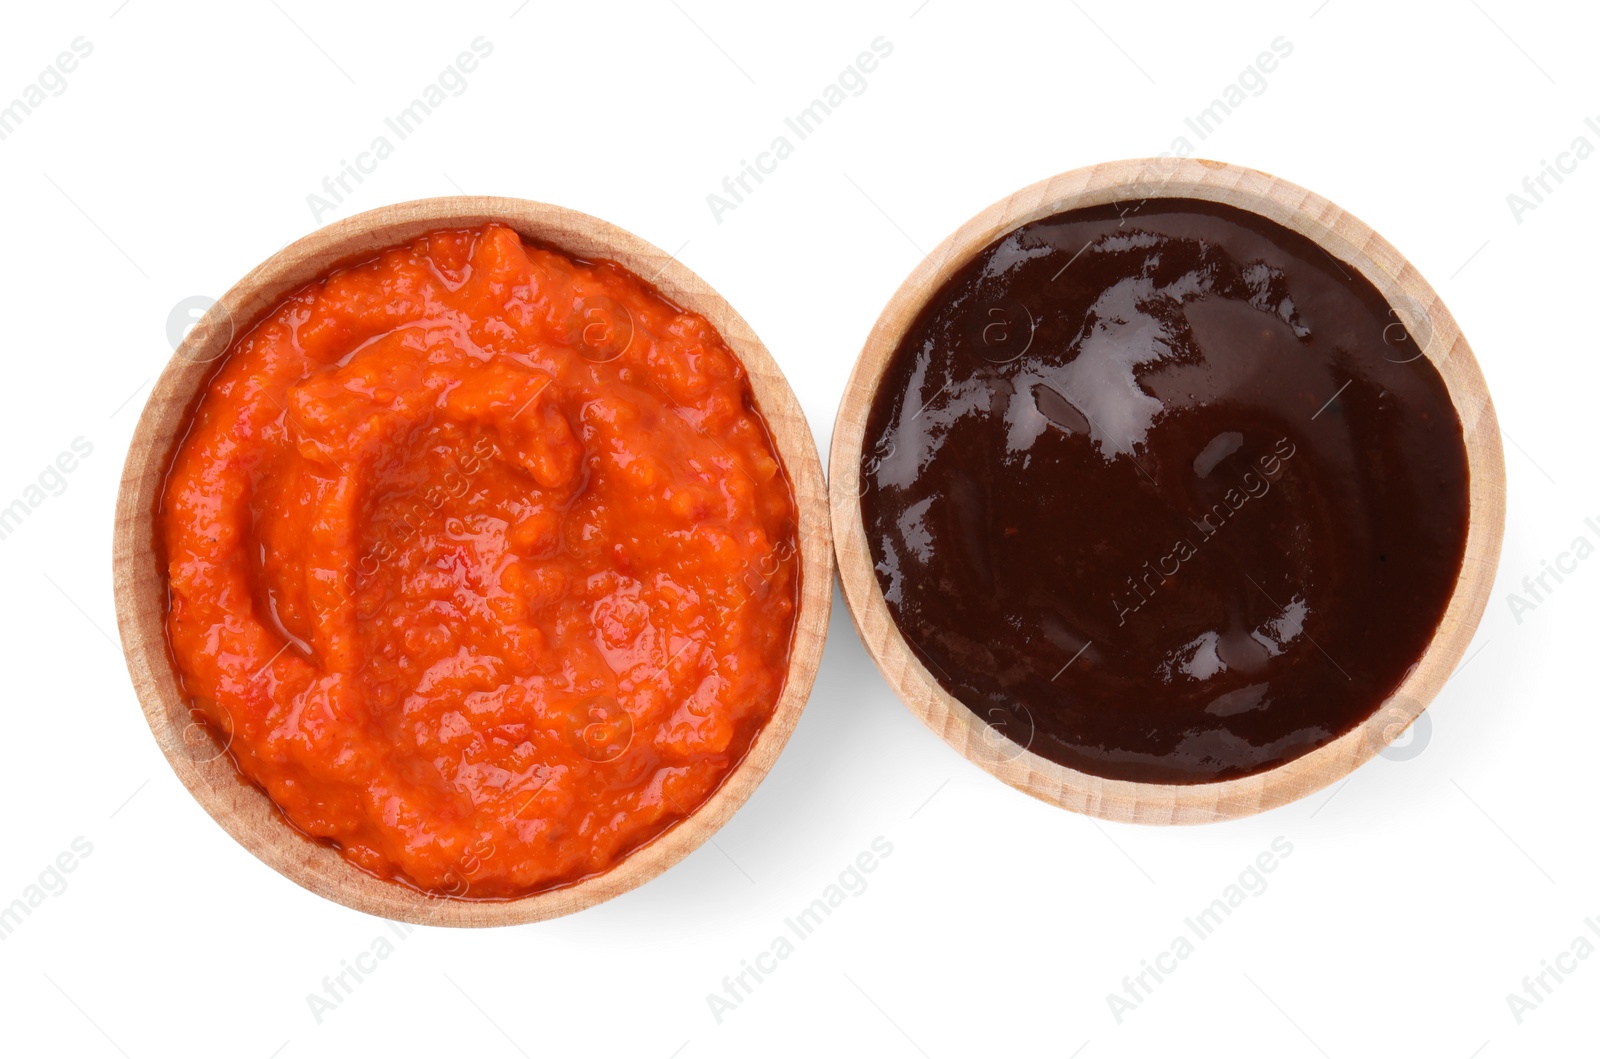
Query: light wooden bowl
{"points": [[242, 809], [1417, 306]]}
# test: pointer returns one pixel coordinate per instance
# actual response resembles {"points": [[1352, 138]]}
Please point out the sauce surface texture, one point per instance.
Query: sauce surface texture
{"points": [[1164, 494], [482, 563]]}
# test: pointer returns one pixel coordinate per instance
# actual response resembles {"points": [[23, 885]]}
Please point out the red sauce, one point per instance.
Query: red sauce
{"points": [[482, 563]]}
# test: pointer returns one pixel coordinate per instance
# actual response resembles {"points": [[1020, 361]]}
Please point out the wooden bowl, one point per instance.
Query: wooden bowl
{"points": [[242, 809], [1416, 305]]}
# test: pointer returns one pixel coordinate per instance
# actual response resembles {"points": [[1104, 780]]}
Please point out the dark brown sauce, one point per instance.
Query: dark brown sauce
{"points": [[1167, 495]]}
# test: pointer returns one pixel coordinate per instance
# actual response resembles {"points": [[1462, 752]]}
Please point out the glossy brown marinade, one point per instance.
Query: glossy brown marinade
{"points": [[1165, 495]]}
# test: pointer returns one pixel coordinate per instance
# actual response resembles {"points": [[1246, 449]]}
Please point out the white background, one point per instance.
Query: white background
{"points": [[1417, 896]]}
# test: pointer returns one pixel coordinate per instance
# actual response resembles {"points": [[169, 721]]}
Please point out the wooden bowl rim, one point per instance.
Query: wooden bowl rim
{"points": [[1418, 307], [243, 810]]}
